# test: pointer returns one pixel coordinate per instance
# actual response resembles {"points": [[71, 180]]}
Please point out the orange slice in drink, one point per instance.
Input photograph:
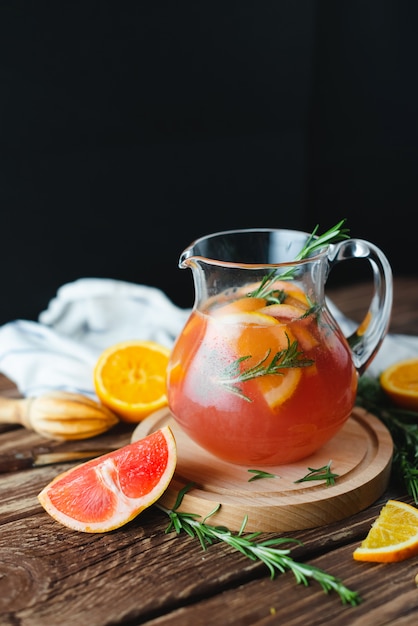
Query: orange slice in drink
{"points": [[258, 335], [291, 291], [277, 388], [241, 305], [393, 535], [294, 293], [109, 491], [130, 378], [258, 344], [286, 313], [400, 383], [283, 312], [250, 333], [249, 318], [306, 340]]}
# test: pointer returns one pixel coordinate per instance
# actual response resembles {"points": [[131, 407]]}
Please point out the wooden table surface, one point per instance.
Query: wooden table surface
{"points": [[139, 574]]}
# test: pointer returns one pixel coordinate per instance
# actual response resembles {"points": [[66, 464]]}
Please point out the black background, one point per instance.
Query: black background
{"points": [[128, 129]]}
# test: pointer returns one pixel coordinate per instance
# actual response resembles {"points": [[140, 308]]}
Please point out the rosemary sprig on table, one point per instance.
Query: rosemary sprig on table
{"points": [[322, 473], [278, 560], [402, 425], [233, 375], [313, 243]]}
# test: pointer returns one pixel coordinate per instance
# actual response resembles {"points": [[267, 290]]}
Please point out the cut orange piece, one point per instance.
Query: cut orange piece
{"points": [[286, 313], [400, 383], [130, 378], [277, 388], [293, 292], [107, 492], [393, 535], [283, 312], [306, 340], [249, 318], [238, 306]]}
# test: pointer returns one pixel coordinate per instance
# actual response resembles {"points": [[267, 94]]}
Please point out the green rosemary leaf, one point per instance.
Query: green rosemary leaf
{"points": [[333, 235], [313, 243], [273, 296], [270, 552], [258, 474], [233, 376], [402, 425], [321, 473]]}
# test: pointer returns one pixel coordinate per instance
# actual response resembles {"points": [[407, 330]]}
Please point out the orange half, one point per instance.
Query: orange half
{"points": [[400, 383], [130, 378]]}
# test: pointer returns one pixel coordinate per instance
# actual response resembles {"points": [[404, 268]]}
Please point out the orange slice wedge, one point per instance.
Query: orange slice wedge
{"points": [[249, 318], [283, 312], [257, 334], [107, 492], [239, 306], [130, 378], [393, 535], [400, 383], [278, 388], [294, 293]]}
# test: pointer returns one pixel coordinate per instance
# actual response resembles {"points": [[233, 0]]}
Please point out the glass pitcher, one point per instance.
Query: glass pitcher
{"points": [[261, 373]]}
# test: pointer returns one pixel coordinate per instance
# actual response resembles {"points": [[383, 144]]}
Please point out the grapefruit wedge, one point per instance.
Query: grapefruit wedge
{"points": [[109, 491]]}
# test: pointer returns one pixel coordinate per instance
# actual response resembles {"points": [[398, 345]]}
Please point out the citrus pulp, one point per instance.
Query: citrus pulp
{"points": [[400, 383], [109, 491], [393, 535], [130, 378]]}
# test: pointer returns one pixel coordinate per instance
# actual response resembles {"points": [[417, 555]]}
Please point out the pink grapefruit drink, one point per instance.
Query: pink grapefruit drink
{"points": [[260, 383]]}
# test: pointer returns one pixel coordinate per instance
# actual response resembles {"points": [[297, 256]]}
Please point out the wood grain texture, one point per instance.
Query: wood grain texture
{"points": [[140, 574], [361, 455]]}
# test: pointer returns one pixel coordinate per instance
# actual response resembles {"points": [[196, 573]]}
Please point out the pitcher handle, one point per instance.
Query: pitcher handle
{"points": [[365, 341]]}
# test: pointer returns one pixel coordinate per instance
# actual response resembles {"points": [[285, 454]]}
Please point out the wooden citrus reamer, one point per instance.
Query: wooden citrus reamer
{"points": [[58, 415]]}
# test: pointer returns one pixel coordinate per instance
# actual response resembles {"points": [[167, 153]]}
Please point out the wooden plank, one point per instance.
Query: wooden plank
{"points": [[140, 574]]}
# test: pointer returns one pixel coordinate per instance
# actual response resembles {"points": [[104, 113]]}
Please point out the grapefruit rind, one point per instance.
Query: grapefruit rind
{"points": [[96, 496]]}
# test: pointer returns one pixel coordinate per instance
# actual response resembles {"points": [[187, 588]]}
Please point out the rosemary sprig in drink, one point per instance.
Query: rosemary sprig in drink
{"points": [[233, 375], [268, 552], [313, 243], [334, 234]]}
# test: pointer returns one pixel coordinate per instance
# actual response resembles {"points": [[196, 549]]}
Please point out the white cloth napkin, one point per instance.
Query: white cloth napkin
{"points": [[60, 350]]}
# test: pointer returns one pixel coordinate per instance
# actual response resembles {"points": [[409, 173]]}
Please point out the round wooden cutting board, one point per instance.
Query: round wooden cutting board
{"points": [[361, 455]]}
